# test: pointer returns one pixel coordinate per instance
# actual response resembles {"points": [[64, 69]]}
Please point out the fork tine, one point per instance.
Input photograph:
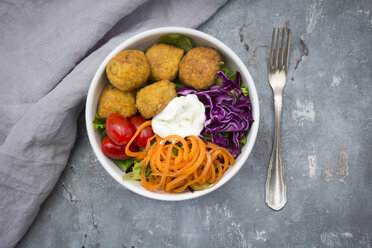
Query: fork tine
{"points": [[281, 65], [277, 49], [272, 50], [288, 42]]}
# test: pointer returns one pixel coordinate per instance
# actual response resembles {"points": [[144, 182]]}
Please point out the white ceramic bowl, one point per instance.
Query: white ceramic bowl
{"points": [[142, 41]]}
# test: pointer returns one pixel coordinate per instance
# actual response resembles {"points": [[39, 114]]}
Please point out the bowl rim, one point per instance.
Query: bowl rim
{"points": [[245, 151]]}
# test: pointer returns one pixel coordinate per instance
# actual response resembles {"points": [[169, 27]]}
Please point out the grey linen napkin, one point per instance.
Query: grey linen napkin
{"points": [[44, 82]]}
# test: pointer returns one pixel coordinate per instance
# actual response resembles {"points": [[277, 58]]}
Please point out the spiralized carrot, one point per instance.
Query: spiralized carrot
{"points": [[141, 154], [195, 164]]}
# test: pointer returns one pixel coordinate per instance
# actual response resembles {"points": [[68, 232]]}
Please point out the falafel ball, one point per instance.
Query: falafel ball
{"points": [[198, 68], [152, 99], [113, 100], [164, 61], [128, 70]]}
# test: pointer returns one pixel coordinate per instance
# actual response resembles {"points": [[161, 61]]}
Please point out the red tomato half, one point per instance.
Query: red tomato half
{"points": [[145, 134], [119, 129], [111, 150]]}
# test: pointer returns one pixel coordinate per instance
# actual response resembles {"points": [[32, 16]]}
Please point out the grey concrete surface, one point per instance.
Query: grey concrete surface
{"points": [[326, 149]]}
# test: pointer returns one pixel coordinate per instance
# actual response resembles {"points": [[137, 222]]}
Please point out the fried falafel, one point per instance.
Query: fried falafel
{"points": [[198, 68], [152, 99], [128, 70], [164, 61], [113, 100]]}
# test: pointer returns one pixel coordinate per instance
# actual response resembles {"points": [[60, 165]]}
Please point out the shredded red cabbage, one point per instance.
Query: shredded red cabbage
{"points": [[227, 109]]}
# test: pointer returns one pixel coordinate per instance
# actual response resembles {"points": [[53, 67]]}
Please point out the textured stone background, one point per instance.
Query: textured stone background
{"points": [[326, 149]]}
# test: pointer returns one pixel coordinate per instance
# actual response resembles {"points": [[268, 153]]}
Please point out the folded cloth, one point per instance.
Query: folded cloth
{"points": [[45, 79]]}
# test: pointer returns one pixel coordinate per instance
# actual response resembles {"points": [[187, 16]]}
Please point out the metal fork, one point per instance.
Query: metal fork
{"points": [[276, 196]]}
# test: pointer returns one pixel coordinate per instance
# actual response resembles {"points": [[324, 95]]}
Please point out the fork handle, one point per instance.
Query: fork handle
{"points": [[276, 196]]}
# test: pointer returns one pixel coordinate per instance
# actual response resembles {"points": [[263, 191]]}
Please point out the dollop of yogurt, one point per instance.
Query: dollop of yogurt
{"points": [[184, 116]]}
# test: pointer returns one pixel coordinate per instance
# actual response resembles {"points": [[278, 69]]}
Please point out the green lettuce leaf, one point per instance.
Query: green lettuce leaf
{"points": [[177, 40], [99, 123], [207, 136], [124, 165], [243, 140], [205, 185], [175, 151], [148, 171], [103, 134], [135, 175], [179, 84], [244, 89], [226, 135]]}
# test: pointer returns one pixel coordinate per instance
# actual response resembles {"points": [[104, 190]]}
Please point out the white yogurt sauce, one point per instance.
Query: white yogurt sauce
{"points": [[184, 116]]}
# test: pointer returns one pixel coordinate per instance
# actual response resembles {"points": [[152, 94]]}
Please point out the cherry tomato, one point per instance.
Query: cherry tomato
{"points": [[111, 150], [119, 129], [145, 134]]}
